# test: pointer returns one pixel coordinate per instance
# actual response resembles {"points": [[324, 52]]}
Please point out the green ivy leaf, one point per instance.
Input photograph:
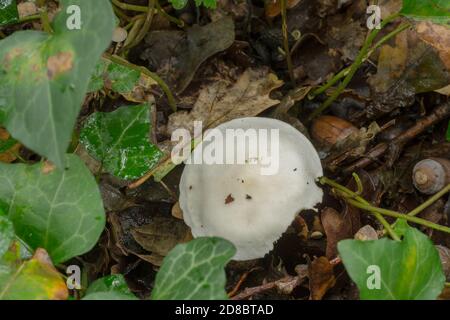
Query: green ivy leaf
{"points": [[113, 287], [408, 269], [437, 11], [120, 140], [57, 209], [34, 279], [6, 233], [211, 4], [178, 4], [45, 77], [194, 271], [8, 12]]}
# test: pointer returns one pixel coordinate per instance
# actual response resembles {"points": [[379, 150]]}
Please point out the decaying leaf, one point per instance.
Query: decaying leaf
{"points": [[177, 57], [161, 236], [337, 228], [34, 279], [321, 278], [221, 101]]}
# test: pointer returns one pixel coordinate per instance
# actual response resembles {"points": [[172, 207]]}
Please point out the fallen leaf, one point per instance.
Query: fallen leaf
{"points": [[219, 102], [336, 228], [321, 278]]}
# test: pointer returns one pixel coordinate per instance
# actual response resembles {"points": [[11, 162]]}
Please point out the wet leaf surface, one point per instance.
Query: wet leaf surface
{"points": [[120, 141]]}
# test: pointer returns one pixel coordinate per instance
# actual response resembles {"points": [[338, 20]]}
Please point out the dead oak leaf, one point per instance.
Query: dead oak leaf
{"points": [[321, 278], [221, 101]]}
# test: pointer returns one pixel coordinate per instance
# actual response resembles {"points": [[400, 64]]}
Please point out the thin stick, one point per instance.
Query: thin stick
{"points": [[287, 51]]}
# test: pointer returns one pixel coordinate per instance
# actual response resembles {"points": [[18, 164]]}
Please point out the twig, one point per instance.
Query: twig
{"points": [[248, 292], [287, 51], [440, 113]]}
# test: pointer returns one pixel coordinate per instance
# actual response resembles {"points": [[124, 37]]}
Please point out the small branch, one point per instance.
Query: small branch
{"points": [[287, 51], [248, 292], [130, 7], [440, 113]]}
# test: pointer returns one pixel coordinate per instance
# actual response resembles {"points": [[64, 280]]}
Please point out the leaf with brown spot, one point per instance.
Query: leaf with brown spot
{"points": [[58, 64], [9, 147], [34, 279]]}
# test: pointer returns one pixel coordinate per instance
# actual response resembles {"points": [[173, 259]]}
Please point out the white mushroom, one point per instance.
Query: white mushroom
{"points": [[239, 203]]}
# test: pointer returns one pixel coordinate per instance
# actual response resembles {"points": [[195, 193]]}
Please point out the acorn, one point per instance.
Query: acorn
{"points": [[329, 130], [431, 175]]}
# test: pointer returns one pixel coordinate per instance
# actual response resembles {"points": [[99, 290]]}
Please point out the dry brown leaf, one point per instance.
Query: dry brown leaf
{"points": [[321, 278], [337, 228], [438, 36], [221, 101]]}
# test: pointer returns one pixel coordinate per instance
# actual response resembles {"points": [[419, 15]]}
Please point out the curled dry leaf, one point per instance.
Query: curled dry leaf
{"points": [[337, 228], [444, 255], [321, 278], [221, 101]]}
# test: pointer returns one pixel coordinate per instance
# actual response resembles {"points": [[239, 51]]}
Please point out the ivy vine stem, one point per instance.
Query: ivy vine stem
{"points": [[287, 51], [353, 199], [350, 72]]}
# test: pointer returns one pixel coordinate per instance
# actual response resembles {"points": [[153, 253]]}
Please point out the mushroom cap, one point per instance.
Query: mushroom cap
{"points": [[238, 203]]}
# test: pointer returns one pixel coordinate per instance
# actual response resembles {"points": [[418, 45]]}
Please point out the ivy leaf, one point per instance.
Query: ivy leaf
{"points": [[132, 84], [34, 279], [113, 287], [178, 4], [6, 233], [394, 270], [44, 77], [437, 11], [211, 4], [194, 271], [57, 209], [120, 140], [8, 12]]}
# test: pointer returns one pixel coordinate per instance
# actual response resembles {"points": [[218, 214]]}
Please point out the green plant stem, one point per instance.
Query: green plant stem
{"points": [[358, 202], [178, 22], [345, 71], [398, 215], [154, 76], [429, 202], [45, 20], [145, 28], [362, 56], [356, 196], [287, 51], [130, 7]]}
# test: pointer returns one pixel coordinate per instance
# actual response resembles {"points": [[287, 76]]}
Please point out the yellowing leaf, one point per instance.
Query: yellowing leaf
{"points": [[35, 279]]}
